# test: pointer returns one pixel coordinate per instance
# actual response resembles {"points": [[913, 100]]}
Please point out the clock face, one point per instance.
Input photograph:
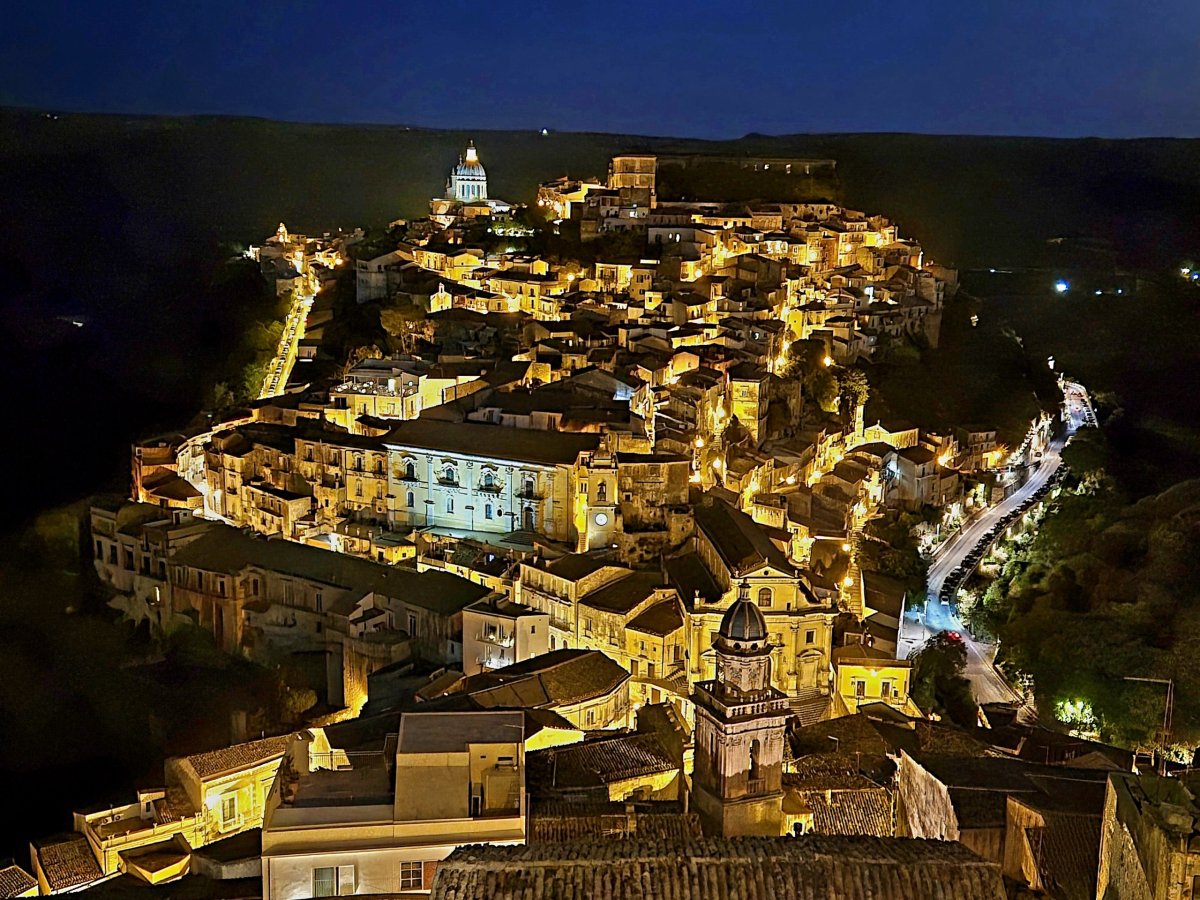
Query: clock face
{"points": [[601, 519]]}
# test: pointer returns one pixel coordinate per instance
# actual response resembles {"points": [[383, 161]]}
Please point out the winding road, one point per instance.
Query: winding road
{"points": [[922, 622]]}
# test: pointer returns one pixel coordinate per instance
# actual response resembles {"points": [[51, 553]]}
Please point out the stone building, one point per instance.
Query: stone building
{"points": [[1150, 838], [470, 477], [378, 819], [740, 719]]}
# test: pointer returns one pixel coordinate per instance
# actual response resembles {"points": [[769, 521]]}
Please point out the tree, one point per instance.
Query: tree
{"points": [[938, 679], [297, 701], [822, 388], [220, 396], [853, 387]]}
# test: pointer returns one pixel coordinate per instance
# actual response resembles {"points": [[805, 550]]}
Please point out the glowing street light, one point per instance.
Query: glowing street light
{"points": [[1062, 286], [828, 360]]}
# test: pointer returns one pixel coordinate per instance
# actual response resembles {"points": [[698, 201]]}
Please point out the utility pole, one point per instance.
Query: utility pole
{"points": [[1168, 711]]}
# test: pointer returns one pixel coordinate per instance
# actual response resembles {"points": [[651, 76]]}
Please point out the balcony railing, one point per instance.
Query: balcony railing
{"points": [[499, 638], [756, 786]]}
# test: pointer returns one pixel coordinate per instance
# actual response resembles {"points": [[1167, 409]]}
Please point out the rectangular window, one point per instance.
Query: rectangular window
{"points": [[324, 882], [633, 668], [860, 688], [810, 637], [412, 875], [229, 809], [885, 690], [345, 877], [412, 625]]}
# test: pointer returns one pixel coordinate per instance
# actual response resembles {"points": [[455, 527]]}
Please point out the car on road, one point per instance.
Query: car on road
{"points": [[953, 636]]}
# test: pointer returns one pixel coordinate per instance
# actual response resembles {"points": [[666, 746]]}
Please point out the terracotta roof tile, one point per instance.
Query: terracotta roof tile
{"points": [[68, 863], [15, 881], [239, 756], [598, 762], [815, 867]]}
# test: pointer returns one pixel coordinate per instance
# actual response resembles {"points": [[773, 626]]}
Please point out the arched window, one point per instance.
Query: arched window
{"points": [[410, 470], [450, 475], [765, 597], [755, 750], [450, 505], [489, 480], [487, 510], [409, 500], [602, 492]]}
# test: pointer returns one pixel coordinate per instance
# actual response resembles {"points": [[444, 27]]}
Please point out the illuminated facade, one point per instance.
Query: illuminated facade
{"points": [[471, 477], [468, 180], [378, 820], [740, 719]]}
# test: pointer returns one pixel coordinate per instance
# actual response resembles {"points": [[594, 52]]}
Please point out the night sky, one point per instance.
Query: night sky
{"points": [[707, 69]]}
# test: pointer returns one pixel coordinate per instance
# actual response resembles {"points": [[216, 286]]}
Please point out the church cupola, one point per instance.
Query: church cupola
{"points": [[468, 180], [742, 647], [740, 720]]}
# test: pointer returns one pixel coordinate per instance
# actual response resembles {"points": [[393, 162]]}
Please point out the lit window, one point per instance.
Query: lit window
{"points": [[764, 597]]}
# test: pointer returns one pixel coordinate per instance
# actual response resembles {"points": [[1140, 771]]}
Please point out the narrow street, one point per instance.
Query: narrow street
{"points": [[922, 622], [281, 365]]}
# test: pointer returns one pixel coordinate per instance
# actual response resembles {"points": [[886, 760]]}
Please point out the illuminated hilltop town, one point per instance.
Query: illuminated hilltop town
{"points": [[583, 562]]}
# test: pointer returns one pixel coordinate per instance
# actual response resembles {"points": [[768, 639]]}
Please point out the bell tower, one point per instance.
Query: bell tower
{"points": [[740, 719]]}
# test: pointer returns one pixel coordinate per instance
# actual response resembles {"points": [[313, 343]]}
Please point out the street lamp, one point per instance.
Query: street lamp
{"points": [[1168, 709]]}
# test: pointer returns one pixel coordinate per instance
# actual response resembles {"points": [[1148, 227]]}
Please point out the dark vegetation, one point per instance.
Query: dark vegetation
{"points": [[939, 683], [1137, 353], [1106, 590], [890, 548], [979, 374], [90, 709]]}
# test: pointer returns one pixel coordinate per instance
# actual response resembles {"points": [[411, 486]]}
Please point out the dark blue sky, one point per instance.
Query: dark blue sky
{"points": [[707, 69]]}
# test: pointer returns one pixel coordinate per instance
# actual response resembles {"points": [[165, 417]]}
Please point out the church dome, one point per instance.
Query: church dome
{"points": [[743, 621], [469, 166]]}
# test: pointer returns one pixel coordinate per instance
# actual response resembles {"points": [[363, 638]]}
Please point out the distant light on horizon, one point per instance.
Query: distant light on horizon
{"points": [[1062, 286]]}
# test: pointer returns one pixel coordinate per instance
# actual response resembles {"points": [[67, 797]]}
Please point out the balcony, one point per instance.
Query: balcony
{"points": [[756, 786], [496, 638]]}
